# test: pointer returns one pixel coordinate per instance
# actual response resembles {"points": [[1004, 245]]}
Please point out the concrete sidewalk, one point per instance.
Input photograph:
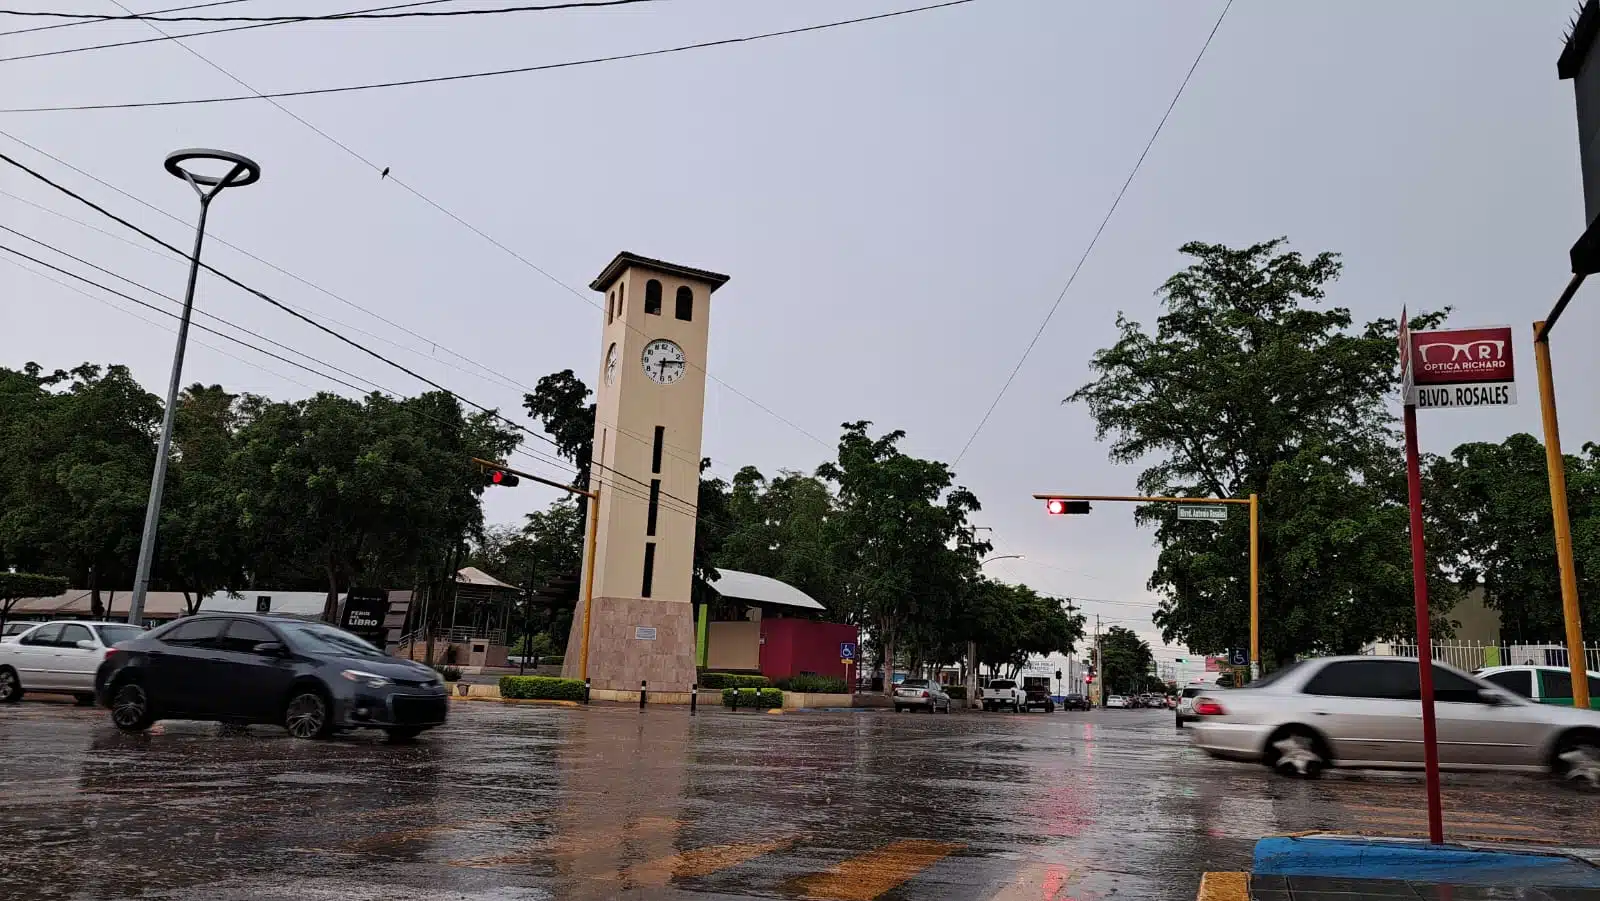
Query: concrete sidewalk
{"points": [[1348, 868]]}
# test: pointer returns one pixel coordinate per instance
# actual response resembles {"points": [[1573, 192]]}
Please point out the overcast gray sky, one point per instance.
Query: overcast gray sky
{"points": [[898, 204]]}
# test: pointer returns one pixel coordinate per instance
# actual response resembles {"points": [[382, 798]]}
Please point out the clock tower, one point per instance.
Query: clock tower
{"points": [[646, 465]]}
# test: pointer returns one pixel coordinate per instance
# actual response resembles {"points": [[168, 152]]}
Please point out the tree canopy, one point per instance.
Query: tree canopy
{"points": [[1251, 384]]}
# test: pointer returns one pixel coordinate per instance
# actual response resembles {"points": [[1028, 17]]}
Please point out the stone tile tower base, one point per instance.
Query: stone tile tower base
{"points": [[619, 658]]}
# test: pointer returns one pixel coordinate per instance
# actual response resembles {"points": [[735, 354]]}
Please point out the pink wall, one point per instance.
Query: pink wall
{"points": [[794, 646]]}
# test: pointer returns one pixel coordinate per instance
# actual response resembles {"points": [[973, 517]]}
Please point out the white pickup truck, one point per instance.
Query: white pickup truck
{"points": [[1002, 693]]}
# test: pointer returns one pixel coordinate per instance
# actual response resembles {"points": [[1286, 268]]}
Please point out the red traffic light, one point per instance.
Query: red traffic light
{"points": [[1058, 507], [500, 477]]}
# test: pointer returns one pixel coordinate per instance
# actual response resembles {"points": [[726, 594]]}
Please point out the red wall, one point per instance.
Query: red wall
{"points": [[790, 647]]}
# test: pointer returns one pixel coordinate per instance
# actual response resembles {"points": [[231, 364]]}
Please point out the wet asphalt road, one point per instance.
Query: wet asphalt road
{"points": [[524, 803]]}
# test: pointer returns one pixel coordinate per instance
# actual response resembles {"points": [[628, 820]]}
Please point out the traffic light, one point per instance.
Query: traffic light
{"points": [[500, 477], [1058, 507]]}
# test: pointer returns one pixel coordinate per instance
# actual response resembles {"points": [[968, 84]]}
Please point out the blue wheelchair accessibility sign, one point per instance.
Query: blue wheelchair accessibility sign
{"points": [[847, 650]]}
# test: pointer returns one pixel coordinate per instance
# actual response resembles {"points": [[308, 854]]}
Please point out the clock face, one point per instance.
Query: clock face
{"points": [[664, 361], [611, 364]]}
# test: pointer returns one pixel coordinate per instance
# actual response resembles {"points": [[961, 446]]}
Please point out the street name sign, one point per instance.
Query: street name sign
{"points": [[1205, 512], [1470, 367]]}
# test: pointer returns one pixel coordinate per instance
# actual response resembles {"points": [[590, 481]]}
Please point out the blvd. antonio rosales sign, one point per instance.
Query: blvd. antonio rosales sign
{"points": [[1468, 367]]}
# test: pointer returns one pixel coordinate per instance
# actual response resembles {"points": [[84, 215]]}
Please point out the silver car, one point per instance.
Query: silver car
{"points": [[59, 656], [921, 694], [1367, 712]]}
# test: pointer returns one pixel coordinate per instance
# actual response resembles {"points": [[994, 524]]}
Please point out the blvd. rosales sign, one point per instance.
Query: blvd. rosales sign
{"points": [[1469, 367]]}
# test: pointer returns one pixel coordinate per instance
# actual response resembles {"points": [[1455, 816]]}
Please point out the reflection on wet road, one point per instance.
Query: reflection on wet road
{"points": [[523, 803]]}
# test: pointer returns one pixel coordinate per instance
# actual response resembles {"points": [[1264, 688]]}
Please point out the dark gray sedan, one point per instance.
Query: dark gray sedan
{"points": [[308, 677]]}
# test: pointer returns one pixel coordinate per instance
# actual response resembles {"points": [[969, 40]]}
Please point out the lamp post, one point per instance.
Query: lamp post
{"points": [[244, 171]]}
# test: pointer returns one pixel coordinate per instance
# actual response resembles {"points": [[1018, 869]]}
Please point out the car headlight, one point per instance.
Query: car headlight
{"points": [[371, 680]]}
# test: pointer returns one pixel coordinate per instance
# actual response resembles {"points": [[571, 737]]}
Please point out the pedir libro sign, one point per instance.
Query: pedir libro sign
{"points": [[1469, 367]]}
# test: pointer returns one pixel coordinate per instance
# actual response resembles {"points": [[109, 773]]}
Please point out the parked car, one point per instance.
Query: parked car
{"points": [[1001, 693], [1541, 684], [1366, 712], [1116, 702], [59, 656], [1075, 702], [308, 677], [13, 629], [1039, 698], [920, 694], [1185, 706]]}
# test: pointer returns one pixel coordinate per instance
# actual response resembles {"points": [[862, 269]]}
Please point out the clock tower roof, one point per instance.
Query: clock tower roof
{"points": [[625, 260]]}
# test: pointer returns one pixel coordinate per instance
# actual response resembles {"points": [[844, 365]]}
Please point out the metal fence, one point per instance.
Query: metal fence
{"points": [[1471, 655]]}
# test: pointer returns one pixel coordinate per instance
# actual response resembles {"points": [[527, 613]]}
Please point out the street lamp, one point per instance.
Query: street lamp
{"points": [[1001, 557], [244, 171]]}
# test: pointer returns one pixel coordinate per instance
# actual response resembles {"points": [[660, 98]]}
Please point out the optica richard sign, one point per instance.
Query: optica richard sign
{"points": [[1471, 367]]}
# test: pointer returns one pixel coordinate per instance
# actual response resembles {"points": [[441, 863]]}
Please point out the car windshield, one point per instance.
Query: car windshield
{"points": [[1274, 676], [914, 683], [110, 635], [1002, 683], [321, 639]]}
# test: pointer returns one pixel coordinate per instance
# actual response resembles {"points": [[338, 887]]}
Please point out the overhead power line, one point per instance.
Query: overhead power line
{"points": [[402, 183], [1039, 332], [494, 73], [319, 326], [193, 34], [90, 21], [326, 17]]}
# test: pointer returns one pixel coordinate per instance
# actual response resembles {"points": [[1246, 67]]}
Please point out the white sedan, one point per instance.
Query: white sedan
{"points": [[59, 657], [1116, 701], [1365, 712]]}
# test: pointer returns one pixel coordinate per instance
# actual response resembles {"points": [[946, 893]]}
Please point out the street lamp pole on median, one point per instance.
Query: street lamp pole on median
{"points": [[244, 171]]}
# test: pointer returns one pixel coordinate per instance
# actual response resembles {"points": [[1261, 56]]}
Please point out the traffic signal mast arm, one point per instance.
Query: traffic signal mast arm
{"points": [[490, 464], [1079, 504], [1135, 499]]}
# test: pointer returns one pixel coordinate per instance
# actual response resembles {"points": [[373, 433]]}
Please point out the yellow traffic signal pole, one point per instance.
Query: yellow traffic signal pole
{"points": [[588, 561], [1255, 548], [1557, 471]]}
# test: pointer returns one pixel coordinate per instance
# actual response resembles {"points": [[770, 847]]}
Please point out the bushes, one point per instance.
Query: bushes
{"points": [[760, 698], [956, 692], [449, 673], [547, 688], [828, 685], [732, 680]]}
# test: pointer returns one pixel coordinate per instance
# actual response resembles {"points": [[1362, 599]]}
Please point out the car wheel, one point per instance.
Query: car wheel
{"points": [[898, 708], [1180, 722], [10, 686], [1577, 760], [130, 708], [307, 715], [1297, 752], [404, 733]]}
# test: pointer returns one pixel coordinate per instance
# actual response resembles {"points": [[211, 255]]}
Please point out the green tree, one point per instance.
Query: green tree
{"points": [[1494, 511], [200, 546], [900, 538], [777, 528], [560, 401], [1250, 384], [1011, 623], [77, 448], [371, 489], [1125, 661]]}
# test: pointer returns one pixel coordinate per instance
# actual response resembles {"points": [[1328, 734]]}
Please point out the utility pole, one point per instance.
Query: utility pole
{"points": [[1099, 659]]}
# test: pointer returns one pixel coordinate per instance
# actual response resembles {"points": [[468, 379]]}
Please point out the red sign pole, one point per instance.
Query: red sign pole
{"points": [[1419, 582]]}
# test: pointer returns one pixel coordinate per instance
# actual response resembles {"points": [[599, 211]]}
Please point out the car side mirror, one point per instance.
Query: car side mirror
{"points": [[269, 648], [86, 645]]}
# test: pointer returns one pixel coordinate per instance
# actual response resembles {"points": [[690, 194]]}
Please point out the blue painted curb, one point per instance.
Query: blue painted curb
{"points": [[1355, 858]]}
